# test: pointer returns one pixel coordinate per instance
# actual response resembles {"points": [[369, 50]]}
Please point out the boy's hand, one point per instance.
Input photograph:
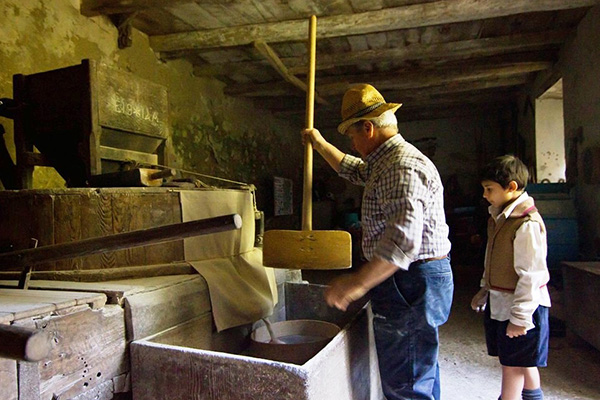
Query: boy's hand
{"points": [[479, 300], [512, 330]]}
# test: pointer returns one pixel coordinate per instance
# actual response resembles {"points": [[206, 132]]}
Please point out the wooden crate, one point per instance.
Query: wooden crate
{"points": [[183, 363], [65, 215], [86, 119]]}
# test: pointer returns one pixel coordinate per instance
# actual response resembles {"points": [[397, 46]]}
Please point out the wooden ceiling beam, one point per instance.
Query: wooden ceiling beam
{"points": [[387, 19], [396, 80], [458, 110], [409, 80], [467, 98], [93, 8], [460, 92], [548, 78], [473, 93], [450, 51]]}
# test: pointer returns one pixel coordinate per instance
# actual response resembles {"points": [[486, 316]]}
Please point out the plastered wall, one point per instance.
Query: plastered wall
{"points": [[581, 87], [463, 146], [212, 134]]}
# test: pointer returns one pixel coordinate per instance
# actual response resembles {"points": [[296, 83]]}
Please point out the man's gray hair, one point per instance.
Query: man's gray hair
{"points": [[385, 120]]}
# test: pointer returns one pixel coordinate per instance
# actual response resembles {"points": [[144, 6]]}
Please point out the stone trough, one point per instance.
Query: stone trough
{"points": [[187, 362]]}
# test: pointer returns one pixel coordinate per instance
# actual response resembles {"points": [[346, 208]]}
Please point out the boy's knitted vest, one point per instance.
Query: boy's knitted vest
{"points": [[499, 266]]}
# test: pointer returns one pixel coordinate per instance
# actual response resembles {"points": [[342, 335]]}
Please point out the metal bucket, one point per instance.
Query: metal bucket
{"points": [[302, 339]]}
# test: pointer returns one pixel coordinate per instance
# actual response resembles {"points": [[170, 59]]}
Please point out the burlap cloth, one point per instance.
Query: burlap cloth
{"points": [[241, 289]]}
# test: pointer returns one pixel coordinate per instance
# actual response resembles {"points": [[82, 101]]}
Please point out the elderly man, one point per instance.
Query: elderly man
{"points": [[405, 240]]}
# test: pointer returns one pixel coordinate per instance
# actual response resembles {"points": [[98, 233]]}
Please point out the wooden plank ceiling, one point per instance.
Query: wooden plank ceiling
{"points": [[439, 57]]}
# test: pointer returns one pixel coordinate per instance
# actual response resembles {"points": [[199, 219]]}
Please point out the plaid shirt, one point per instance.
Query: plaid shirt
{"points": [[403, 205]]}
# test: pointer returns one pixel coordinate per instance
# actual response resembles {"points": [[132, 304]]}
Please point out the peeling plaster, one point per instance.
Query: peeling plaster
{"points": [[242, 155], [212, 133]]}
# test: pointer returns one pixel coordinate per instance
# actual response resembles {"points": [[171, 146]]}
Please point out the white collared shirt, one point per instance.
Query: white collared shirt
{"points": [[530, 249]]}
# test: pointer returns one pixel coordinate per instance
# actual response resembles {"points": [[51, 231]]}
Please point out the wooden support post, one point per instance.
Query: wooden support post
{"points": [[26, 273], [8, 170], [23, 142]]}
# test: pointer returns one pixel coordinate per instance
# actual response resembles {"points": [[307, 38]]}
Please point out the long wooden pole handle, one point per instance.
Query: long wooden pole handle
{"points": [[308, 150]]}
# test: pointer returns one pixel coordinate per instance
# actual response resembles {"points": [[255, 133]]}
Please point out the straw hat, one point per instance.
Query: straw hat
{"points": [[362, 102]]}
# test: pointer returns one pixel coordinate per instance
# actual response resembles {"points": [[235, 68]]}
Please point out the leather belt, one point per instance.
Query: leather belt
{"points": [[425, 260]]}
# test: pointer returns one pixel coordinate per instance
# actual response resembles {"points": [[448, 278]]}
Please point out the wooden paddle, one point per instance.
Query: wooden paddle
{"points": [[308, 249]]}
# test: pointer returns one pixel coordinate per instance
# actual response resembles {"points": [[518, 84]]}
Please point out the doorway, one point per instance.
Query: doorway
{"points": [[550, 136]]}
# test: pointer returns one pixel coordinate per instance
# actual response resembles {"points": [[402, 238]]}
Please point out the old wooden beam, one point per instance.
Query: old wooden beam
{"points": [[400, 79], [546, 79], [491, 88], [452, 111], [93, 8], [414, 80], [142, 237], [387, 19], [24, 344], [467, 94], [273, 59], [450, 51], [497, 95]]}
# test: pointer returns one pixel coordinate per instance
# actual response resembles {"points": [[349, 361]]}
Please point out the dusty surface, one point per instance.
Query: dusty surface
{"points": [[468, 373]]}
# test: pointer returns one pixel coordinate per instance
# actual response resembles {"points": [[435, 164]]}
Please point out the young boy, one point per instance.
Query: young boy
{"points": [[514, 280]]}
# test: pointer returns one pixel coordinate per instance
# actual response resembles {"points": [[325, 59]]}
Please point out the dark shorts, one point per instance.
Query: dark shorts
{"points": [[530, 350]]}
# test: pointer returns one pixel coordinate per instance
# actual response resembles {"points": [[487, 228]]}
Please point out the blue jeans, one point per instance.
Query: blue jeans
{"points": [[408, 308]]}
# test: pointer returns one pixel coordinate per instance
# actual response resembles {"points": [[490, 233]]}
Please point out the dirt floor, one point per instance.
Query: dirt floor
{"points": [[468, 373]]}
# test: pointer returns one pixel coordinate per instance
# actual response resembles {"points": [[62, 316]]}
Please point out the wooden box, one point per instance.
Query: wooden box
{"points": [[86, 119], [188, 362], [66, 215]]}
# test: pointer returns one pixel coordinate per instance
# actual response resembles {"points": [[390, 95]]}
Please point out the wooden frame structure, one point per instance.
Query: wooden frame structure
{"points": [[85, 120]]}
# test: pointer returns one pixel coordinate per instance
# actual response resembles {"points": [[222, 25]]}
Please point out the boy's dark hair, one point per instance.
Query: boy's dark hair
{"points": [[504, 169]]}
